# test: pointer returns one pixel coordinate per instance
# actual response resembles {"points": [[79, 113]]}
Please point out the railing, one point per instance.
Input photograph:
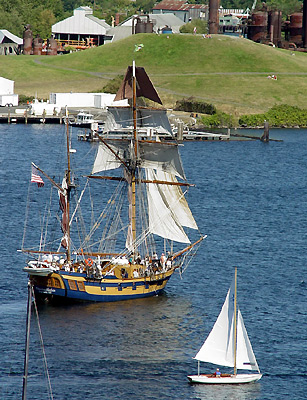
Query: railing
{"points": [[78, 44]]}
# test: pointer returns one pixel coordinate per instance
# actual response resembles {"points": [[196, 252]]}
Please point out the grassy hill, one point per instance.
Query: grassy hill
{"points": [[229, 72]]}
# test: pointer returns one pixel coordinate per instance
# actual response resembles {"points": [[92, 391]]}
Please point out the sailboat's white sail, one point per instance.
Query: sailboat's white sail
{"points": [[162, 220], [245, 355], [159, 156], [219, 345]]}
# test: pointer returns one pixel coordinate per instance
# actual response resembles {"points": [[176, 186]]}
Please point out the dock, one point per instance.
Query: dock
{"points": [[25, 118], [21, 116], [89, 136]]}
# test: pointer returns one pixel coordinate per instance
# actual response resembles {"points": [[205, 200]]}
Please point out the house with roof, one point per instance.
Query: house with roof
{"points": [[81, 29], [149, 23], [9, 43], [181, 9]]}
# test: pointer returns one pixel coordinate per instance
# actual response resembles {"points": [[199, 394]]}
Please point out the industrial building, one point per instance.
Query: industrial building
{"points": [[82, 30], [149, 23], [181, 9]]}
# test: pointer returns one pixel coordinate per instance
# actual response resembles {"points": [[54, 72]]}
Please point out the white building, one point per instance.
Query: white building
{"points": [[81, 26], [84, 100], [9, 43], [6, 86], [7, 96]]}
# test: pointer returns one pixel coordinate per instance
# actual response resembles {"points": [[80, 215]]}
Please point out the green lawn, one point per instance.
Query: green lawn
{"points": [[228, 72]]}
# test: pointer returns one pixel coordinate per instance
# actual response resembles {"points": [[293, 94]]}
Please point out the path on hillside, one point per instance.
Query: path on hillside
{"points": [[111, 75]]}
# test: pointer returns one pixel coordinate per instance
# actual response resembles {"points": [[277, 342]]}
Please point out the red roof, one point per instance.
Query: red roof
{"points": [[176, 5]]}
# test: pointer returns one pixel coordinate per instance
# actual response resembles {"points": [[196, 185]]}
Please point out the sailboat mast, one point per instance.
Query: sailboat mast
{"points": [[68, 179], [135, 143], [235, 325], [27, 343]]}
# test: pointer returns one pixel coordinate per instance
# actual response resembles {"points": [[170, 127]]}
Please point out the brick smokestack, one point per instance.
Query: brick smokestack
{"points": [[214, 6], [304, 33]]}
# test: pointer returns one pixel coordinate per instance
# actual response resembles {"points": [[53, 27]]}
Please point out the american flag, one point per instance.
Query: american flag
{"points": [[36, 178]]}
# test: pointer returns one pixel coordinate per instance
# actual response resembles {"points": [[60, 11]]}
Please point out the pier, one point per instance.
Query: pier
{"points": [[23, 117]]}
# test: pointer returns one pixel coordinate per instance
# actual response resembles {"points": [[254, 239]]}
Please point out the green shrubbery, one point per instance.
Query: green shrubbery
{"points": [[23, 99], [192, 105], [282, 116], [277, 116], [219, 119], [113, 85], [201, 27]]}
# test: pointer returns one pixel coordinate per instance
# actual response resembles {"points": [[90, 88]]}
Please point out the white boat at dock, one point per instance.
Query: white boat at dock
{"points": [[85, 119]]}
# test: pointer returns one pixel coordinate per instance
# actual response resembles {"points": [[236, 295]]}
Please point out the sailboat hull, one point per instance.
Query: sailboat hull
{"points": [[224, 379], [76, 287]]}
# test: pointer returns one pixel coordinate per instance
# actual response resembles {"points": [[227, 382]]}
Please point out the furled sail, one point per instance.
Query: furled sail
{"points": [[162, 220], [153, 155], [63, 207], [152, 119], [144, 87], [219, 345]]}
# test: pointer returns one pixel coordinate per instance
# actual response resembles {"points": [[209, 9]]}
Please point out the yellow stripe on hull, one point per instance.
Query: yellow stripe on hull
{"points": [[75, 286]]}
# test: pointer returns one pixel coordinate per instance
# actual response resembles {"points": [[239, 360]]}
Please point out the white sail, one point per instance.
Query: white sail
{"points": [[219, 345], [162, 220], [156, 155], [161, 157], [176, 200], [105, 160], [245, 355]]}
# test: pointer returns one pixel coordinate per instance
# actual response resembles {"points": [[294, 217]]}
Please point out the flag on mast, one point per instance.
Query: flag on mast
{"points": [[35, 177]]}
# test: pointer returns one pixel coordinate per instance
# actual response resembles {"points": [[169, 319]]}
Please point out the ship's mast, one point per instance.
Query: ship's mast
{"points": [[68, 181], [27, 343], [135, 145], [235, 325]]}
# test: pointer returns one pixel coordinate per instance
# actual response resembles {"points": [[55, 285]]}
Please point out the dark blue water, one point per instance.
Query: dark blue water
{"points": [[251, 200]]}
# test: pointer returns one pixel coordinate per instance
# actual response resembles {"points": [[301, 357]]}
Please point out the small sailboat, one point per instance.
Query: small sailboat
{"points": [[228, 345], [147, 210]]}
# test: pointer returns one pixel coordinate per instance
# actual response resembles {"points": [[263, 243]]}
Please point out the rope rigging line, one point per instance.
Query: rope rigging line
{"points": [[49, 388], [105, 212]]}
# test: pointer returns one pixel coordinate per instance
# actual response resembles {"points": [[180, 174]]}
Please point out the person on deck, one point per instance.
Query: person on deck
{"points": [[163, 261], [218, 373]]}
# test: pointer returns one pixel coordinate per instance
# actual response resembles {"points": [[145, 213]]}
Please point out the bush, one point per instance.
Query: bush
{"points": [[220, 119], [277, 116], [113, 85], [23, 99], [201, 27], [252, 120], [191, 105]]}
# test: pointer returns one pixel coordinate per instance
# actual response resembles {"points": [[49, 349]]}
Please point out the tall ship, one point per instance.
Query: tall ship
{"points": [[138, 237]]}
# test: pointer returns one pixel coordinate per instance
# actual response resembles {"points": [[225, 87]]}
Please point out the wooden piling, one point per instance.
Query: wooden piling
{"points": [[266, 133], [180, 130]]}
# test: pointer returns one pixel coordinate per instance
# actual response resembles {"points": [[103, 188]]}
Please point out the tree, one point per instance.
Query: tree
{"points": [[287, 7], [200, 25]]}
